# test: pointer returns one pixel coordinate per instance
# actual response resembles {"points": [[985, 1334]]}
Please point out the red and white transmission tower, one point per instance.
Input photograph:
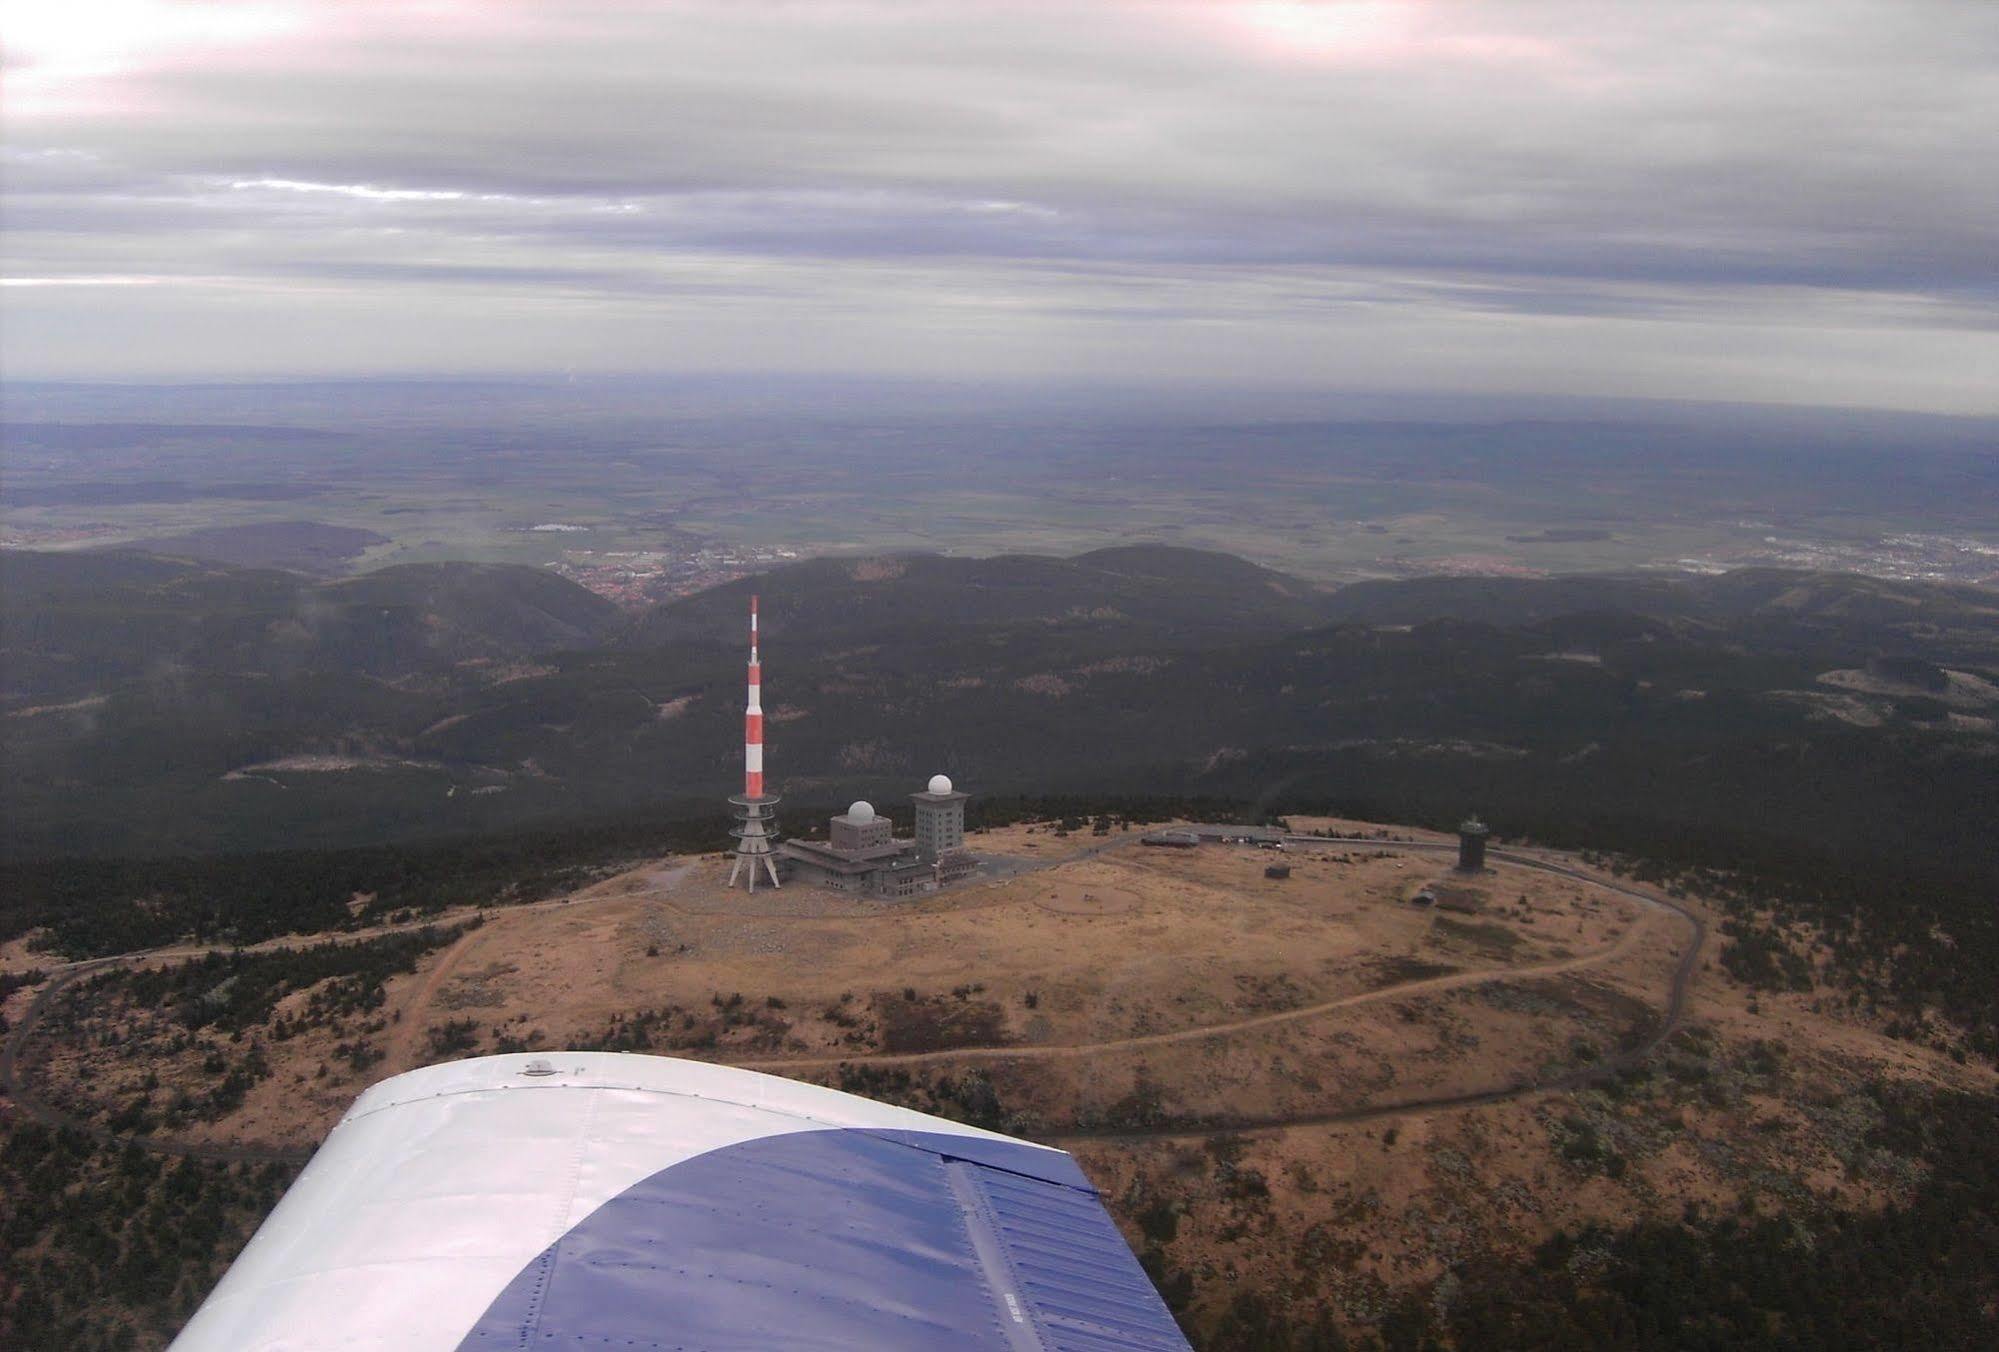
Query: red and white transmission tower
{"points": [[756, 823]]}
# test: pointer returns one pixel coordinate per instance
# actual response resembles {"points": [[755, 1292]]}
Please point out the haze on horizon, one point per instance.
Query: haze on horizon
{"points": [[1787, 201]]}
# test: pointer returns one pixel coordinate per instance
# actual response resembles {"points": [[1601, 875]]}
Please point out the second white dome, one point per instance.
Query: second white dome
{"points": [[940, 783], [861, 810]]}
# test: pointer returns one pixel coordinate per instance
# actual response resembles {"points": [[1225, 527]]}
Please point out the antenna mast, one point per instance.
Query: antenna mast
{"points": [[756, 822]]}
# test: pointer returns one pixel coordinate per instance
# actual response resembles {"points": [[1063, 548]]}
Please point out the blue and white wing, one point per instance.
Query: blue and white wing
{"points": [[617, 1201]]}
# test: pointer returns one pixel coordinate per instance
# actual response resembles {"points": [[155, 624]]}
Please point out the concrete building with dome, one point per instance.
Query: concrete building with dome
{"points": [[862, 854], [940, 818]]}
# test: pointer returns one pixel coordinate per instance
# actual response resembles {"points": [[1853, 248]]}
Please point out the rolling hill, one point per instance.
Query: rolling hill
{"points": [[156, 704], [1798, 611], [81, 625], [1109, 597]]}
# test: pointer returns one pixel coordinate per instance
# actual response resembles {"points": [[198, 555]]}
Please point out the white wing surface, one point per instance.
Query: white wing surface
{"points": [[604, 1200]]}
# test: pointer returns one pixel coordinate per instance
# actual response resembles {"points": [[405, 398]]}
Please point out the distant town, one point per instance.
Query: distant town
{"points": [[637, 578], [1905, 558]]}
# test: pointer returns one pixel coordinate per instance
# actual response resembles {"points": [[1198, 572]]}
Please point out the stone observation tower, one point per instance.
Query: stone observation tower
{"points": [[756, 820], [1471, 845]]}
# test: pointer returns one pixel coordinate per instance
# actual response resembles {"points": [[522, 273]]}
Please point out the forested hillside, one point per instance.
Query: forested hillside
{"points": [[156, 705], [1151, 595], [1775, 608], [89, 625], [1810, 729], [198, 751]]}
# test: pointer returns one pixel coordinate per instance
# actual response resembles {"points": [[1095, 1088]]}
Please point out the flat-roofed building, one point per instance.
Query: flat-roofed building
{"points": [[940, 818], [861, 853]]}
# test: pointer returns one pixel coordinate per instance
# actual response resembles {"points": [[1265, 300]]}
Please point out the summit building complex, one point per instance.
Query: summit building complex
{"points": [[861, 852]]}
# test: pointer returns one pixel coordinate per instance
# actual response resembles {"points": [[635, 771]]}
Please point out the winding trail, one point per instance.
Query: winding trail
{"points": [[409, 1024], [37, 1109], [1060, 1050], [1672, 1016], [1601, 1072]]}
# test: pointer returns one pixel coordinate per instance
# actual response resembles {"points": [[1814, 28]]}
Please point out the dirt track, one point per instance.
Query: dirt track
{"points": [[1046, 1051], [51, 1116], [1607, 1069], [1672, 1015], [404, 1040]]}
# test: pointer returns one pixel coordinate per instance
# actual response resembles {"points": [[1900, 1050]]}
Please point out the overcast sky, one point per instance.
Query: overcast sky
{"points": [[1794, 201]]}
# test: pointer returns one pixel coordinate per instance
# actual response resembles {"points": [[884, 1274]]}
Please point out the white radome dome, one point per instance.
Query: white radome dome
{"points": [[940, 783], [861, 810]]}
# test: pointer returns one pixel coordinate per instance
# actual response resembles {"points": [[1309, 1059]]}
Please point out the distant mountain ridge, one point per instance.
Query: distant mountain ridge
{"points": [[1161, 591], [157, 703], [78, 623], [1802, 608]]}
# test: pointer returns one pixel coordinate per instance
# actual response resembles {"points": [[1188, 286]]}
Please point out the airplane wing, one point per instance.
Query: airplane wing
{"points": [[600, 1200]]}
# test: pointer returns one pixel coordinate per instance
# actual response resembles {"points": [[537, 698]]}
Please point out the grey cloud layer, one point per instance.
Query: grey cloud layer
{"points": [[1818, 165]]}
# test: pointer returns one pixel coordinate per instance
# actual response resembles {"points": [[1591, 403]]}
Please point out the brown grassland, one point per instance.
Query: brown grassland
{"points": [[1250, 1068]]}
